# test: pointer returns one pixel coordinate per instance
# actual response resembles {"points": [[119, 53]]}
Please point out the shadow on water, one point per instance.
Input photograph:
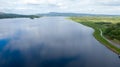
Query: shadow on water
{"points": [[61, 62], [8, 58], [11, 59], [3, 43]]}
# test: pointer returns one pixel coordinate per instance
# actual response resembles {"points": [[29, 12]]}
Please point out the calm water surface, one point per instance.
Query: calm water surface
{"points": [[51, 42]]}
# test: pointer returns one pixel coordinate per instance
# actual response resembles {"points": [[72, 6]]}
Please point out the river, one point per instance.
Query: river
{"points": [[51, 42]]}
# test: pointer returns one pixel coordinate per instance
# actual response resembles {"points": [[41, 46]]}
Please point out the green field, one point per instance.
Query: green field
{"points": [[98, 19], [110, 26]]}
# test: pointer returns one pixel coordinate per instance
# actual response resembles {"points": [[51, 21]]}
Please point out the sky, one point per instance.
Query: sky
{"points": [[71, 6]]}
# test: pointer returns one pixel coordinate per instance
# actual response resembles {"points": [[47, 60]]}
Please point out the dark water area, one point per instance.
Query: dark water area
{"points": [[51, 42]]}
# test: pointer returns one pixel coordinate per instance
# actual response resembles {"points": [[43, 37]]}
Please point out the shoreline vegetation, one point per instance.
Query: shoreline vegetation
{"points": [[105, 28], [7, 15]]}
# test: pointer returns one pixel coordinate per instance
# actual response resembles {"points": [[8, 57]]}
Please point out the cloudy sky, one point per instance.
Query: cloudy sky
{"points": [[75, 6]]}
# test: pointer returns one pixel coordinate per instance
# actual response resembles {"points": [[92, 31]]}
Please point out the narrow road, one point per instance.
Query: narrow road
{"points": [[113, 43]]}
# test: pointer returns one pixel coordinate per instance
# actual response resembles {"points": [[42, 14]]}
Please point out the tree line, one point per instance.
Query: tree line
{"points": [[113, 31]]}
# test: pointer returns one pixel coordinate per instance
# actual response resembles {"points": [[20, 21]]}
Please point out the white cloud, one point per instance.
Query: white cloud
{"points": [[40, 6]]}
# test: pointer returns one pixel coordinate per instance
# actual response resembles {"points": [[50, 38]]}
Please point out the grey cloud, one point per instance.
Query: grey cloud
{"points": [[109, 3], [38, 5]]}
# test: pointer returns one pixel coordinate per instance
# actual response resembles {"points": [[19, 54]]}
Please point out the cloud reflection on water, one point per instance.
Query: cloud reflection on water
{"points": [[51, 42], [36, 41]]}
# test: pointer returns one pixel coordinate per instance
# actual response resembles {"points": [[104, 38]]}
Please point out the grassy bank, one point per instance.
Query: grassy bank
{"points": [[91, 22]]}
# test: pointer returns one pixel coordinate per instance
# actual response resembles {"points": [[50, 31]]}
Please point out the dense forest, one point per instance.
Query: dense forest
{"points": [[113, 31]]}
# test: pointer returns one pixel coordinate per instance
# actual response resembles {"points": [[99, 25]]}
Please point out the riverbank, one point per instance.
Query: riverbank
{"points": [[110, 41], [97, 33]]}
